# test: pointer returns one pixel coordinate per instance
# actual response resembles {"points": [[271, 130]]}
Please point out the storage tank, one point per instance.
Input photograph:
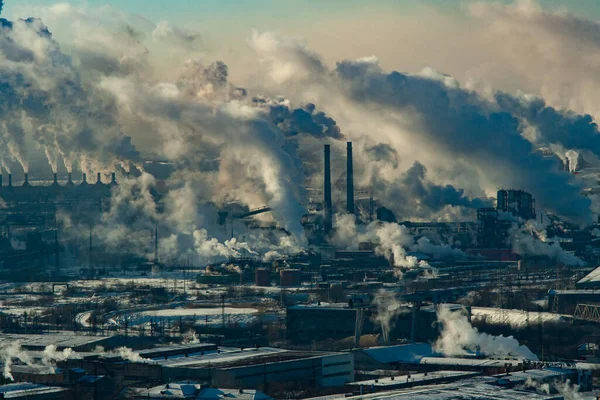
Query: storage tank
{"points": [[262, 277], [290, 277]]}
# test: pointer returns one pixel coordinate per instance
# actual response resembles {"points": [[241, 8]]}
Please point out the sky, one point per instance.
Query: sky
{"points": [[394, 30]]}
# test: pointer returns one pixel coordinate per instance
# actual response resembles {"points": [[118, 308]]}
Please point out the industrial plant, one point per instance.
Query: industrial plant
{"points": [[168, 233]]}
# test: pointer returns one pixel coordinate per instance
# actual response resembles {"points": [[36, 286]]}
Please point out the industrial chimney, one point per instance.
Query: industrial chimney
{"points": [[0, 180], [9, 180], [70, 181], [26, 183], [113, 179], [84, 179], [55, 182], [327, 191], [349, 179], [99, 179], [567, 167]]}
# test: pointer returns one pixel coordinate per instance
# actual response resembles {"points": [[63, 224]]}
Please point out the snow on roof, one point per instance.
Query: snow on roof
{"points": [[421, 378], [191, 390], [321, 306], [25, 389], [218, 394], [592, 277], [61, 341], [180, 390], [516, 318], [404, 353], [224, 357], [470, 362], [536, 374], [471, 389]]}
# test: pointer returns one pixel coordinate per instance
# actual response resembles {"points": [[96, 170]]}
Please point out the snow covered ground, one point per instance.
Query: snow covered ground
{"points": [[516, 318], [202, 316]]}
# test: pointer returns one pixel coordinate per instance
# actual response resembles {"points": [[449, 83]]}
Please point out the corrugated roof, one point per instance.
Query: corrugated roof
{"points": [[404, 353]]}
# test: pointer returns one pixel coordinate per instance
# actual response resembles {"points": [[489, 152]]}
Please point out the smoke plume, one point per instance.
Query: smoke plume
{"points": [[458, 337]]}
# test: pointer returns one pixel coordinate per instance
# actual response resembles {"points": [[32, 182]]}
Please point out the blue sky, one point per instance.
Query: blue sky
{"points": [[248, 12]]}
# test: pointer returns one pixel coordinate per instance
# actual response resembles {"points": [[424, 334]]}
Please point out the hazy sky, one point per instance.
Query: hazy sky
{"points": [[269, 14]]}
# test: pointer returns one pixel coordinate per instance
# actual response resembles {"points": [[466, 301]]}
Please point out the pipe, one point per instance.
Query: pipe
{"points": [[327, 190], [349, 179]]}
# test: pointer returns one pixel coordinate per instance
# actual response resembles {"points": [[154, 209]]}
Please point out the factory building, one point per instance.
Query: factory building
{"points": [[517, 202], [33, 391], [325, 321], [194, 391], [225, 367]]}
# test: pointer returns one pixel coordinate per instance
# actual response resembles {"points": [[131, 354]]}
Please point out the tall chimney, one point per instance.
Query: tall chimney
{"points": [[349, 179], [10, 180], [55, 182], [84, 179], [567, 165], [113, 179], [26, 183], [0, 180], [70, 181], [99, 179], [327, 191]]}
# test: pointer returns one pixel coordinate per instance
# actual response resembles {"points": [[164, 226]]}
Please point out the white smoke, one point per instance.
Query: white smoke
{"points": [[458, 337], [190, 337], [51, 355], [125, 353], [14, 352], [388, 308], [531, 239], [391, 240]]}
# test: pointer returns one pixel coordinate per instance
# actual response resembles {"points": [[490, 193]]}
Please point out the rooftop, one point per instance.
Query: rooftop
{"points": [[191, 390], [61, 340], [417, 379], [227, 358], [404, 353], [25, 390]]}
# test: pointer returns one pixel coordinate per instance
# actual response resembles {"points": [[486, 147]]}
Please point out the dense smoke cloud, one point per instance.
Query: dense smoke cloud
{"points": [[391, 240], [459, 337], [104, 102], [531, 239], [467, 126]]}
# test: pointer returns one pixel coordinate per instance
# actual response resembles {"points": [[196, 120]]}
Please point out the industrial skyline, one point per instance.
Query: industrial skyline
{"points": [[299, 200]]}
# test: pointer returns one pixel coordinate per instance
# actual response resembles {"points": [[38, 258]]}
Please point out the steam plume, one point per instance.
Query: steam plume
{"points": [[458, 337]]}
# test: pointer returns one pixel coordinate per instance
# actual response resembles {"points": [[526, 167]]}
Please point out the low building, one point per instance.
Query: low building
{"points": [[410, 380], [190, 390], [33, 391], [258, 367], [322, 321]]}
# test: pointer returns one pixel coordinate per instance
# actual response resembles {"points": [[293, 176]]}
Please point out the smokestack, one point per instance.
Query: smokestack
{"points": [[84, 179], [113, 179], [327, 191], [26, 183], [99, 179], [0, 180], [55, 183], [9, 180], [567, 166], [70, 181], [349, 179]]}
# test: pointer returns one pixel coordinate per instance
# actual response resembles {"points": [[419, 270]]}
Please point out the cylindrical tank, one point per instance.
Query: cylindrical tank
{"points": [[290, 277], [262, 277]]}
